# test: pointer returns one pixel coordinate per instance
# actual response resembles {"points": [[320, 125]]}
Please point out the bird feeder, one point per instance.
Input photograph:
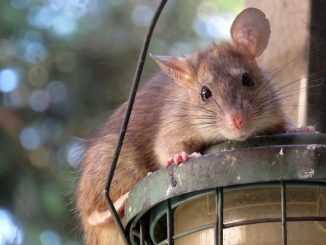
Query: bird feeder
{"points": [[267, 190]]}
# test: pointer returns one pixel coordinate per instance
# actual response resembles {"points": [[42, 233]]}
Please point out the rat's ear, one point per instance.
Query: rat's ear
{"points": [[175, 67], [250, 32]]}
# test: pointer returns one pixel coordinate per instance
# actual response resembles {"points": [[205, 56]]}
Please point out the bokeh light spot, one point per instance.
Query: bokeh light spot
{"points": [[64, 25], [30, 138], [43, 17], [35, 52], [10, 233], [58, 5], [57, 91], [215, 27], [49, 237], [32, 36], [8, 80], [39, 100]]}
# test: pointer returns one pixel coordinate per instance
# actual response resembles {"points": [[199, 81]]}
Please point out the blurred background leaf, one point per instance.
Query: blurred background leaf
{"points": [[64, 66]]}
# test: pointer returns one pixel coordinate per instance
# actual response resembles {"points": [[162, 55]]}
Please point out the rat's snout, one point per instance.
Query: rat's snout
{"points": [[237, 125], [235, 120]]}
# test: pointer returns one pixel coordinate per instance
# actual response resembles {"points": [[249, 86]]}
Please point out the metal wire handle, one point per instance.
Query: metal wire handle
{"points": [[132, 95]]}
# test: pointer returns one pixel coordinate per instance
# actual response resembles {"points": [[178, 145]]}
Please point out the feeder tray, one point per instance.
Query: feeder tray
{"points": [[266, 190]]}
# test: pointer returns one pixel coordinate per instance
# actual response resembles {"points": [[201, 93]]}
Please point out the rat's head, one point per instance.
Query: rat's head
{"points": [[229, 96]]}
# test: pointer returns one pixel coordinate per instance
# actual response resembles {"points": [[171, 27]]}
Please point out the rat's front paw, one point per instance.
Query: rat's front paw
{"points": [[181, 157], [304, 129]]}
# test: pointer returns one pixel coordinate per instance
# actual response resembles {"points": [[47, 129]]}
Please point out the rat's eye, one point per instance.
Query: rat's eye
{"points": [[247, 81], [205, 93]]}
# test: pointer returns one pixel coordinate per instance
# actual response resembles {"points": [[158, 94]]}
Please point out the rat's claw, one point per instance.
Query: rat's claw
{"points": [[184, 156], [170, 161], [305, 129], [181, 157], [195, 154], [178, 158]]}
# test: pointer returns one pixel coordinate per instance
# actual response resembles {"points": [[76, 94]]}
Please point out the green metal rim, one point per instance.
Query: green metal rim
{"points": [[262, 159], [271, 140]]}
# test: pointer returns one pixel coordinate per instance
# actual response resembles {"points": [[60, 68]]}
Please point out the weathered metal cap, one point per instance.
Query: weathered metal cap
{"points": [[262, 159]]}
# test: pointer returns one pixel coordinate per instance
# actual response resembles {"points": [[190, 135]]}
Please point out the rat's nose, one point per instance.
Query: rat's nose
{"points": [[235, 120]]}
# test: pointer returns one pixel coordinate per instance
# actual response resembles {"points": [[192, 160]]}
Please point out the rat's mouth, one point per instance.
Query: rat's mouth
{"points": [[243, 137], [237, 135]]}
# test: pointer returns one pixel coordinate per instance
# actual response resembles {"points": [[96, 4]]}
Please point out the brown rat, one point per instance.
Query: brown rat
{"points": [[215, 94]]}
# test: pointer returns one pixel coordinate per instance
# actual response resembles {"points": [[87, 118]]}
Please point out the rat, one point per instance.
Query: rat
{"points": [[215, 94]]}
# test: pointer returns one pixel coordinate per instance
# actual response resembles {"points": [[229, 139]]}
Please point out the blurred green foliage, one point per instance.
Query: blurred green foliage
{"points": [[64, 66]]}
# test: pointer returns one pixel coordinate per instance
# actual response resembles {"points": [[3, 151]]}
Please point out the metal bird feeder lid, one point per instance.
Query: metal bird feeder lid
{"points": [[270, 161]]}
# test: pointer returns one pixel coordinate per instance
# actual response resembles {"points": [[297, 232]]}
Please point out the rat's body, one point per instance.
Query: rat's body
{"points": [[212, 95]]}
